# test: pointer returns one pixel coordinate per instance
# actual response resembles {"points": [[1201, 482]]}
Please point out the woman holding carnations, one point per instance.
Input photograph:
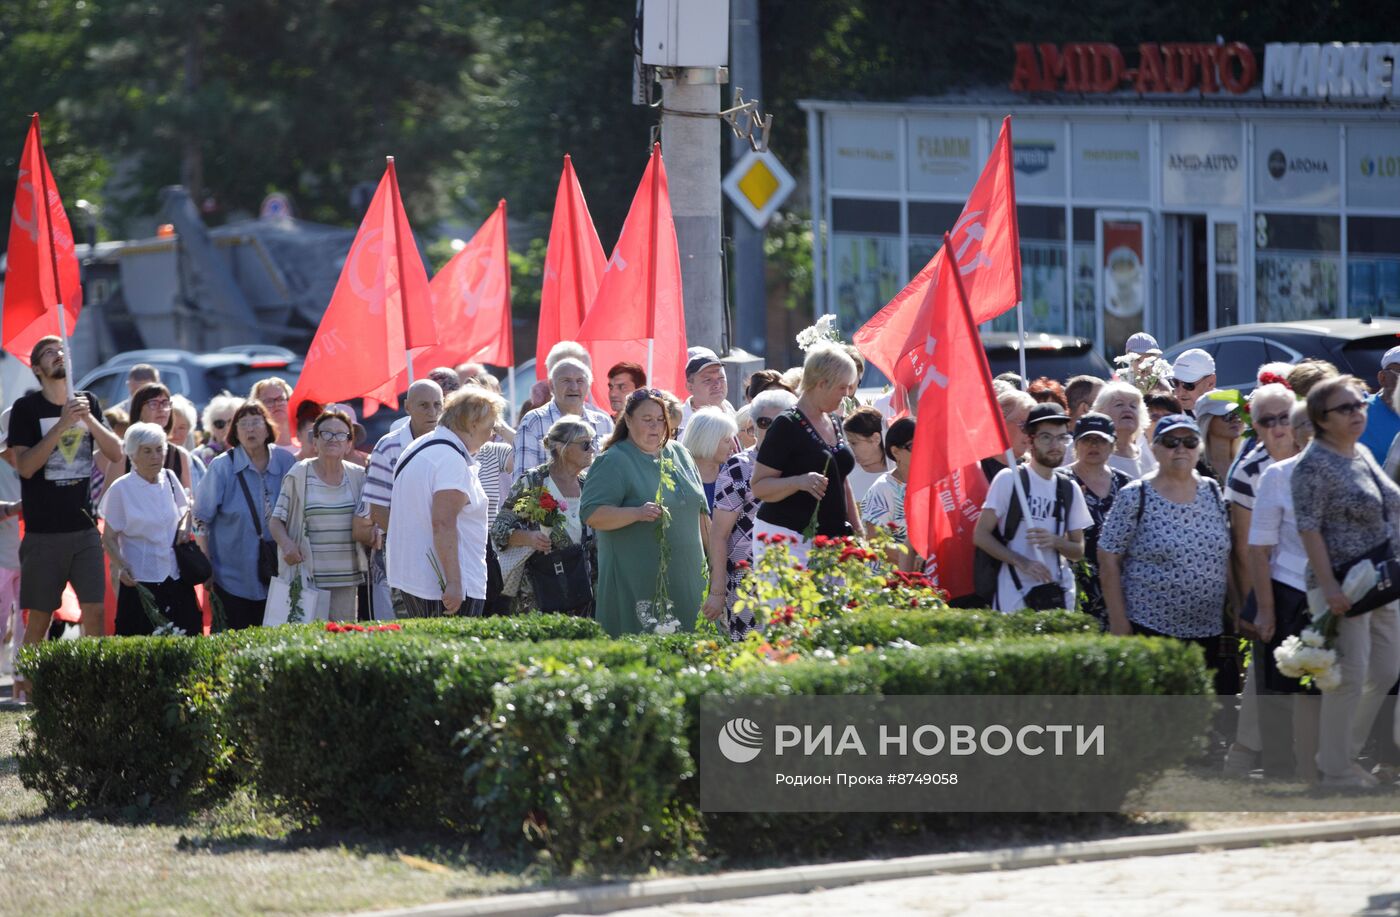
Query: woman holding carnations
{"points": [[645, 500], [540, 515]]}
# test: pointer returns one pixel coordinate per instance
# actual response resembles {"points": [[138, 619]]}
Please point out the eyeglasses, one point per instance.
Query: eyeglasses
{"points": [[1172, 442], [251, 422], [1274, 420], [1050, 439], [158, 403], [585, 444], [50, 352], [641, 393], [220, 423], [1187, 386], [1349, 409], [333, 436], [272, 402]]}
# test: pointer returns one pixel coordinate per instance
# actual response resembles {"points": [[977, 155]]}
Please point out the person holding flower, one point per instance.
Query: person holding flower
{"points": [[801, 469], [142, 513], [541, 514], [644, 498]]}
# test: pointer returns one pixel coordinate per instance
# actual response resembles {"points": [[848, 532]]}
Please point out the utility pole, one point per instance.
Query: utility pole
{"points": [[690, 145], [750, 281]]}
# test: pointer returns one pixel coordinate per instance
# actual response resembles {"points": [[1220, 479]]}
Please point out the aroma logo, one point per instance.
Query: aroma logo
{"points": [[741, 740], [1280, 165]]}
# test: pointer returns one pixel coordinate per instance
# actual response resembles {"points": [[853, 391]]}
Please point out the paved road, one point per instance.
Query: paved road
{"points": [[1342, 878]]}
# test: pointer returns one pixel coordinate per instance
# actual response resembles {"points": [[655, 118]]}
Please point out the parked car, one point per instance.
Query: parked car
{"points": [[1353, 345], [201, 376], [1060, 357]]}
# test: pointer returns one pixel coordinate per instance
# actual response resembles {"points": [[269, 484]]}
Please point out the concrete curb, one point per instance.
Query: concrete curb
{"points": [[598, 899]]}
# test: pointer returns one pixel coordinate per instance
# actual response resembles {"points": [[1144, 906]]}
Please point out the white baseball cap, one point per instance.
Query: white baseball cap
{"points": [[1193, 365], [1143, 343], [1391, 356]]}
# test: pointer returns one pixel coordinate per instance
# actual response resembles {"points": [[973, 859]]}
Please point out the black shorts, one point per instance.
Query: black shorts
{"points": [[49, 561]]}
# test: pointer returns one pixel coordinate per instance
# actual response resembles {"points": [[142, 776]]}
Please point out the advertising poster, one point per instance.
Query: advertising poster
{"points": [[1123, 275]]}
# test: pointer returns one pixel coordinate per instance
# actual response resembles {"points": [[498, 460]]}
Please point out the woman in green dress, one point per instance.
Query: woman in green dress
{"points": [[623, 500]]}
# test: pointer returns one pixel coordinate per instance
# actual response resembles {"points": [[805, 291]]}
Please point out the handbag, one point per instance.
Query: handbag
{"points": [[561, 578], [267, 549], [194, 566], [1374, 578], [315, 604]]}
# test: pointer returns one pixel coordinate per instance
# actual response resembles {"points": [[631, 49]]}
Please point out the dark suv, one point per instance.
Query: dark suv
{"points": [[197, 376], [1058, 356], [1353, 345]]}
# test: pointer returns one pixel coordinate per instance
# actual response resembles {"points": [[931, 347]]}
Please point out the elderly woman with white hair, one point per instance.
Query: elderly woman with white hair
{"points": [[1123, 404], [1015, 407], [709, 438], [524, 542], [730, 543], [143, 512], [801, 468], [569, 379], [215, 420], [440, 568]]}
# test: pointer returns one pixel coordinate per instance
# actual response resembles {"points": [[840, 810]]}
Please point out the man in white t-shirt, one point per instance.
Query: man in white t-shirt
{"points": [[1044, 546]]}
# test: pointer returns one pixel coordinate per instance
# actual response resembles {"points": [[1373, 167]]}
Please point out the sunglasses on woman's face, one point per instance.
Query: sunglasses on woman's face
{"points": [[1273, 420], [763, 423], [585, 444], [1350, 408], [220, 423], [333, 436], [1172, 442]]}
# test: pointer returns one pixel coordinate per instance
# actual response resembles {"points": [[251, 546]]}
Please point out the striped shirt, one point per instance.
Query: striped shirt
{"points": [[379, 477], [1244, 480], [492, 459], [327, 520], [529, 450]]}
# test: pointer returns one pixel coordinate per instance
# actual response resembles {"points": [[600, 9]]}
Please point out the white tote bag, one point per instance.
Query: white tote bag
{"points": [[314, 604]]}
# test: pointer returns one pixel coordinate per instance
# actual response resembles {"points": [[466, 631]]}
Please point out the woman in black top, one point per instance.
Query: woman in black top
{"points": [[151, 404], [800, 473]]}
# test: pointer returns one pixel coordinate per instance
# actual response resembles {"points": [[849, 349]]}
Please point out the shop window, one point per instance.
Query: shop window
{"points": [[1086, 306], [1044, 272], [1373, 266], [1297, 266], [927, 224], [865, 259]]}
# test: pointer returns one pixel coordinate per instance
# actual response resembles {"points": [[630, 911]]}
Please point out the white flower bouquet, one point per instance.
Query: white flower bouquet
{"points": [[1310, 658], [823, 330]]}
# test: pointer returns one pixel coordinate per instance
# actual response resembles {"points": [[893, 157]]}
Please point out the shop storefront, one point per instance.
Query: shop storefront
{"points": [[1252, 194]]}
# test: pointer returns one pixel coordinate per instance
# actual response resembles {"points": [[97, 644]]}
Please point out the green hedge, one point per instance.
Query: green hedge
{"points": [[938, 626], [140, 720], [362, 732], [542, 749]]}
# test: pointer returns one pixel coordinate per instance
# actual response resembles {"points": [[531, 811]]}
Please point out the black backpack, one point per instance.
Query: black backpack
{"points": [[985, 567]]}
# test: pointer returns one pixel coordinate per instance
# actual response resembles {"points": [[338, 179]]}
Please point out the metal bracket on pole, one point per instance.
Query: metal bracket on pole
{"points": [[745, 120]]}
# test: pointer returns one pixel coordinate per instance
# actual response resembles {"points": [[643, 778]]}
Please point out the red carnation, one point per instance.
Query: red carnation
{"points": [[548, 503]]}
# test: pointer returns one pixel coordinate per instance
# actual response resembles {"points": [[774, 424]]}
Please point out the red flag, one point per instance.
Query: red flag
{"points": [[959, 425], [41, 248], [573, 267], [359, 348], [471, 303], [640, 297], [987, 249]]}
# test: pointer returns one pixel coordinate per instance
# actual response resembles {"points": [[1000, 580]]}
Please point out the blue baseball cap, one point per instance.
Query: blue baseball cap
{"points": [[1175, 422]]}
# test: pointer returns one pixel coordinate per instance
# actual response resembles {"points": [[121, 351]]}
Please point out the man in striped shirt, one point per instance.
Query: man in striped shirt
{"points": [[570, 380], [424, 406]]}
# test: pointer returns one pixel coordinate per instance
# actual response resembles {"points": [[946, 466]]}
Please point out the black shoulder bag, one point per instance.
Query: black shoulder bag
{"points": [[267, 549], [194, 565], [561, 578]]}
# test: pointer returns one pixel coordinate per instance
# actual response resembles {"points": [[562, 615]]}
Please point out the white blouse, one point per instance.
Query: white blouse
{"points": [[144, 516], [572, 524]]}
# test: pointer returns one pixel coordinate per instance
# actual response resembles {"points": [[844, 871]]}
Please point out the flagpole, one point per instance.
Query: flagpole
{"points": [[651, 352], [1021, 334], [398, 256], [53, 258]]}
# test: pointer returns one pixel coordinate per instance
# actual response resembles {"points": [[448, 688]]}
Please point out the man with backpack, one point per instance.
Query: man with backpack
{"points": [[1034, 546]]}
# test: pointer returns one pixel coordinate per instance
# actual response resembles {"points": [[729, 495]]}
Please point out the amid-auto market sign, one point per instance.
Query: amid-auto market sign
{"points": [[1173, 68]]}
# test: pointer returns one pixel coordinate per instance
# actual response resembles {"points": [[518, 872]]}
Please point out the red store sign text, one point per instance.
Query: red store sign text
{"points": [[1171, 68]]}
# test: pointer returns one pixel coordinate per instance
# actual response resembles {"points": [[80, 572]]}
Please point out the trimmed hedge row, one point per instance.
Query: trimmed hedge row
{"points": [[124, 721], [556, 751]]}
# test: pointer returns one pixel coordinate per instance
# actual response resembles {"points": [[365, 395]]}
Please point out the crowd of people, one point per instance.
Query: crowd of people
{"points": [[1150, 501]]}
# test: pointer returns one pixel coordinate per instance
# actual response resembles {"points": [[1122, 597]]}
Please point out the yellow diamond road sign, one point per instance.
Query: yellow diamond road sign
{"points": [[758, 185]]}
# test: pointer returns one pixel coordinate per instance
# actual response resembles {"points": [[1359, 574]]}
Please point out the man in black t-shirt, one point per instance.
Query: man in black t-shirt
{"points": [[52, 440]]}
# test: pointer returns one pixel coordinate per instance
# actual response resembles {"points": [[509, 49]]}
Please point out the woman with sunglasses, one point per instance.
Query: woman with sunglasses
{"points": [[569, 444], [641, 475], [730, 543], [315, 511], [215, 420], [1164, 549], [1222, 424], [1343, 504]]}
